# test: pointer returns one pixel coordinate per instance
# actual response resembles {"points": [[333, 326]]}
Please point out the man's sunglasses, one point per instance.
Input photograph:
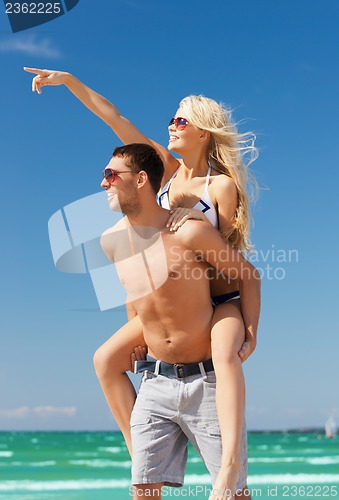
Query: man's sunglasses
{"points": [[180, 123], [109, 174]]}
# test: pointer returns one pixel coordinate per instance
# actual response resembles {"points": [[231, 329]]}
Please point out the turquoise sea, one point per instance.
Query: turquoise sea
{"points": [[96, 466]]}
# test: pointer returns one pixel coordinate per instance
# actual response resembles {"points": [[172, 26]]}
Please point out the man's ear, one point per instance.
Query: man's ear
{"points": [[142, 178]]}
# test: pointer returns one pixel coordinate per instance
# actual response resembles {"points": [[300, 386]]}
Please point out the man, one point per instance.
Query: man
{"points": [[166, 278]]}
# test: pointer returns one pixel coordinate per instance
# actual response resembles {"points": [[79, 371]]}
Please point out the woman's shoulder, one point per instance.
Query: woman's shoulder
{"points": [[171, 171], [222, 185]]}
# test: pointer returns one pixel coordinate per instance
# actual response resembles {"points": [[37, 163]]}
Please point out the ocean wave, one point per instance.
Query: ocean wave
{"points": [[314, 451], [102, 463], [85, 454], [89, 484], [190, 479], [197, 479], [269, 460], [327, 460], [272, 479], [323, 460], [111, 449], [6, 454], [293, 479], [194, 460], [47, 463]]}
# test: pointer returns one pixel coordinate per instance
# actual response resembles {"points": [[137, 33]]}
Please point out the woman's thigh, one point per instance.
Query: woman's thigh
{"points": [[228, 330], [118, 348]]}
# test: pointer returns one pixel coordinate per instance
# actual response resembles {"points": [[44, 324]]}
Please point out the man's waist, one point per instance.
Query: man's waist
{"points": [[177, 370]]}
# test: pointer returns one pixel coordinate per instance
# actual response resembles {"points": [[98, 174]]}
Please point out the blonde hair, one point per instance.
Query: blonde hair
{"points": [[230, 153]]}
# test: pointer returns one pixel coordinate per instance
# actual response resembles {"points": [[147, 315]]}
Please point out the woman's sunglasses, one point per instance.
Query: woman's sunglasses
{"points": [[180, 123], [109, 174]]}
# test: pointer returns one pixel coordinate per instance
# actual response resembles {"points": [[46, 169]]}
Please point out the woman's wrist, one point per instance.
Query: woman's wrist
{"points": [[68, 79]]}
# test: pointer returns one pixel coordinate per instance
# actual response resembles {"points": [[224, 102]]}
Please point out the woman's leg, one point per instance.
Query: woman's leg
{"points": [[227, 336], [112, 360]]}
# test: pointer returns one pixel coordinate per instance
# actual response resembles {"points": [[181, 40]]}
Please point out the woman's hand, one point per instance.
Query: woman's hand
{"points": [[180, 215], [139, 354], [46, 77], [246, 349]]}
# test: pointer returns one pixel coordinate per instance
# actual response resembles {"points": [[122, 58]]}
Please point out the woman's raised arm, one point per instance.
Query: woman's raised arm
{"points": [[102, 108]]}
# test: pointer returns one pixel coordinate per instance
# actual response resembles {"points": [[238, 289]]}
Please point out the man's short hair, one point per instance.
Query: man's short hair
{"points": [[143, 157]]}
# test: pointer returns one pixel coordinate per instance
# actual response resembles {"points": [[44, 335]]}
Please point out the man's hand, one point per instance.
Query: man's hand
{"points": [[246, 349], [139, 354]]}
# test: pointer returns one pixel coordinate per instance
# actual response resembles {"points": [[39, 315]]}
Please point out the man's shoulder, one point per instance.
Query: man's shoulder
{"points": [[110, 237], [119, 226]]}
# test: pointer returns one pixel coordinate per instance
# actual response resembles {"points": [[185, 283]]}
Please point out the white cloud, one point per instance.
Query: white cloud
{"points": [[41, 411], [47, 411], [293, 412], [255, 410], [21, 412], [29, 44], [329, 412]]}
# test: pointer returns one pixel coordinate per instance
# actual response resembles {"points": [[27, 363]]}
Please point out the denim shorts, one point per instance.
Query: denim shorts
{"points": [[168, 413]]}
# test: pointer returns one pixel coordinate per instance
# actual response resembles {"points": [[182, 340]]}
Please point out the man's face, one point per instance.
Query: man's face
{"points": [[121, 187]]}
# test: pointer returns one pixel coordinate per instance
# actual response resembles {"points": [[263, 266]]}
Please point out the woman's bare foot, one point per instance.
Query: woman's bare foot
{"points": [[225, 485]]}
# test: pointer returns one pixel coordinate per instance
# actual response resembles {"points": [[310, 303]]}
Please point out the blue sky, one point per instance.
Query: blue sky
{"points": [[276, 65]]}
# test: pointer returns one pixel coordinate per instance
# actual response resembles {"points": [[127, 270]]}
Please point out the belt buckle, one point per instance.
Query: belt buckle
{"points": [[179, 370]]}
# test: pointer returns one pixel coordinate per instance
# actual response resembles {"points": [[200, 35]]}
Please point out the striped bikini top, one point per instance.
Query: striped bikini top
{"points": [[205, 204]]}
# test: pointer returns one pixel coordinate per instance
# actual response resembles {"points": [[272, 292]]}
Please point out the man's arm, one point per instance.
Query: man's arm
{"points": [[206, 242]]}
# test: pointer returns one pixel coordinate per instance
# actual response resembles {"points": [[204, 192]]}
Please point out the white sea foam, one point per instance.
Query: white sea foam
{"points": [[85, 454], [323, 460], [6, 454], [190, 479], [273, 479], [102, 463], [194, 460], [90, 484], [197, 479], [111, 449], [327, 460], [268, 460], [110, 438], [47, 463], [313, 451], [293, 479]]}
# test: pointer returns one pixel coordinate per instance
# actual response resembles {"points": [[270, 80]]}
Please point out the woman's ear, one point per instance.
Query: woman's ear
{"points": [[205, 135]]}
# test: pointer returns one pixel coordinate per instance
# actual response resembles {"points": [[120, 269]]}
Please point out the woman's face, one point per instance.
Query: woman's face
{"points": [[183, 137]]}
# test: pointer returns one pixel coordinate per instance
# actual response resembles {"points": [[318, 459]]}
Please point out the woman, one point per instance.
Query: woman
{"points": [[209, 183]]}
